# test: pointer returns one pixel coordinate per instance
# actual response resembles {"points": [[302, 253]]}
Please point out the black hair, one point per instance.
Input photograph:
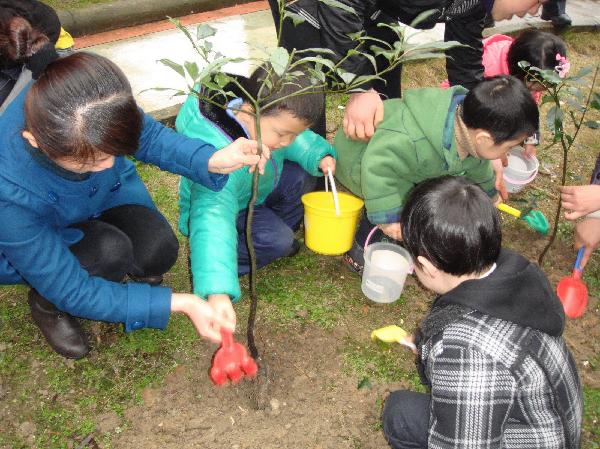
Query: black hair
{"points": [[451, 222], [307, 106], [502, 106], [82, 106], [538, 48]]}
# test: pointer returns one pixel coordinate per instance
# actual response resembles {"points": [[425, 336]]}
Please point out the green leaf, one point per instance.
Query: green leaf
{"points": [[192, 69], [423, 17], [595, 101], [204, 30], [569, 139], [279, 60], [339, 5], [346, 77], [524, 64], [593, 124], [315, 50], [365, 382], [584, 71], [222, 79], [173, 65], [554, 119], [423, 55], [296, 19]]}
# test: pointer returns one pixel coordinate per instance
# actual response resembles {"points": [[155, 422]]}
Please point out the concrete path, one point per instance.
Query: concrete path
{"points": [[241, 31]]}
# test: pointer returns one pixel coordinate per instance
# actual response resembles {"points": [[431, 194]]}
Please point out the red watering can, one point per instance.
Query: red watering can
{"points": [[572, 291], [231, 361]]}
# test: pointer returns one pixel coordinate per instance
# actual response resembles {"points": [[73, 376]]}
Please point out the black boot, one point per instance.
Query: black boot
{"points": [[62, 331]]}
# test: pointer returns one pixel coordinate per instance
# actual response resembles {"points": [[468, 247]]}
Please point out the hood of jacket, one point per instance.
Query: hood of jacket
{"points": [[516, 291], [433, 105]]}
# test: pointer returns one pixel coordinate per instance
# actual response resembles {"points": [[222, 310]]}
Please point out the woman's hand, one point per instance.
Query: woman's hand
{"points": [[363, 113], [206, 319], [393, 230], [587, 233], [327, 164], [238, 154], [580, 200]]}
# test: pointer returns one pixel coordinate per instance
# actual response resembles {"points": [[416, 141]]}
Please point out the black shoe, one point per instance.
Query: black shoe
{"points": [[62, 331], [151, 280], [294, 249], [354, 259], [560, 21]]}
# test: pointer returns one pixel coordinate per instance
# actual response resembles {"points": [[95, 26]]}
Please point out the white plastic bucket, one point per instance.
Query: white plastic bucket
{"points": [[520, 171], [385, 270]]}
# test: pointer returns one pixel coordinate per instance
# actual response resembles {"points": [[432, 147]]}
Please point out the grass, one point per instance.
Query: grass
{"points": [[46, 402]]}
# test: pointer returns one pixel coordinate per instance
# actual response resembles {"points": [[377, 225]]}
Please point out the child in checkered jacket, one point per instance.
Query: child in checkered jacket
{"points": [[490, 349]]}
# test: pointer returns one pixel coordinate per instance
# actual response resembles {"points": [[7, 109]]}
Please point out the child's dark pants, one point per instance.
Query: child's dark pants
{"points": [[406, 419], [275, 220]]}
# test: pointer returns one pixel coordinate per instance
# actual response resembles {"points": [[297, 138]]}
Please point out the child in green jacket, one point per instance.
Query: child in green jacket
{"points": [[428, 133], [215, 221]]}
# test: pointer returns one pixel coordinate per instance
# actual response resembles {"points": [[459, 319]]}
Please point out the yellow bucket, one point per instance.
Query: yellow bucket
{"points": [[324, 231]]}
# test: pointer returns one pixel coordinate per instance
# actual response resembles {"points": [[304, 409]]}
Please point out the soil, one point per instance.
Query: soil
{"points": [[312, 401], [311, 404]]}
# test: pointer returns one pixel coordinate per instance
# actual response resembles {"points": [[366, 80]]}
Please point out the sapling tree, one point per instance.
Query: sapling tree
{"points": [[571, 99], [206, 80]]}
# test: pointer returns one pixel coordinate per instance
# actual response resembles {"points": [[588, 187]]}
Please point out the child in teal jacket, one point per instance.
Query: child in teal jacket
{"points": [[428, 133], [215, 222]]}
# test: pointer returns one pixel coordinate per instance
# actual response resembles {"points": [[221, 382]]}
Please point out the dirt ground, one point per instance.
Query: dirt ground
{"points": [[311, 402]]}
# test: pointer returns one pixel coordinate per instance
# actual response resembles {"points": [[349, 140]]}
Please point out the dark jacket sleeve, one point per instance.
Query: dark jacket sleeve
{"points": [[464, 64]]}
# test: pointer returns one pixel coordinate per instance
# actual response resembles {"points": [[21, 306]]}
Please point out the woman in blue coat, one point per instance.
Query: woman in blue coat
{"points": [[77, 219]]}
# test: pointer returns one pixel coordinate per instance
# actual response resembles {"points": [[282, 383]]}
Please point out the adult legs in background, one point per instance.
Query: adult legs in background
{"points": [[301, 37], [555, 10], [390, 86], [406, 419], [128, 239], [275, 220]]}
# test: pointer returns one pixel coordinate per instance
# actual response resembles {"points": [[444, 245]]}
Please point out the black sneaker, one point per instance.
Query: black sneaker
{"points": [[354, 259], [560, 21], [295, 248]]}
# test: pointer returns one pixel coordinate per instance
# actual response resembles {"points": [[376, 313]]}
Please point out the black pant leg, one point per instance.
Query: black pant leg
{"points": [[154, 243], [391, 86], [406, 419], [104, 250]]}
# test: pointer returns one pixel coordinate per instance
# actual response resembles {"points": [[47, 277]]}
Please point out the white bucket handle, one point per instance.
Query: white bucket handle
{"points": [[411, 268], [336, 201]]}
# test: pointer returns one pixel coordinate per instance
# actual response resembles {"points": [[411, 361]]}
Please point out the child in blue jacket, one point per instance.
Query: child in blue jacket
{"points": [[215, 221]]}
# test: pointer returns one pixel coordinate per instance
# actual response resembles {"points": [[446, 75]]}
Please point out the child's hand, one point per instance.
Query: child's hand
{"points": [[529, 150], [327, 164], [238, 154], [222, 306], [587, 233], [393, 230], [498, 166], [363, 113], [580, 200], [205, 319]]}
